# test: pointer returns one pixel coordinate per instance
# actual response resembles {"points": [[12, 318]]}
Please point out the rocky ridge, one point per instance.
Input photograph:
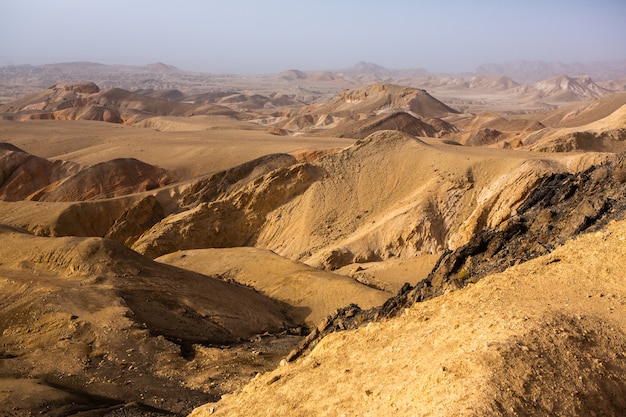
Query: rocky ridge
{"points": [[558, 208]]}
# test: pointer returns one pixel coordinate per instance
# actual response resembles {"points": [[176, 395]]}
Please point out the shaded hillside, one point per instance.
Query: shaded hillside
{"points": [[388, 196], [106, 180], [27, 177], [22, 174], [312, 294], [90, 317]]}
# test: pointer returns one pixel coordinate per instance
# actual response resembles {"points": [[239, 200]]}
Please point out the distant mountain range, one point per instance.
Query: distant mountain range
{"points": [[559, 81], [533, 71], [522, 71]]}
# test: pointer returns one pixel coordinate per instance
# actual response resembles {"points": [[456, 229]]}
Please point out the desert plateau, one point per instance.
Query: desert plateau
{"points": [[355, 242]]}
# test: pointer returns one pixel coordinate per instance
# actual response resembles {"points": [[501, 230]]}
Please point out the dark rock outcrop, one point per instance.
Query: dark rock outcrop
{"points": [[559, 208]]}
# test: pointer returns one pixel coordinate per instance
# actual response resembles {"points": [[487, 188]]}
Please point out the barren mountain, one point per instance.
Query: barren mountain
{"points": [[225, 249], [533, 71], [564, 89], [360, 112]]}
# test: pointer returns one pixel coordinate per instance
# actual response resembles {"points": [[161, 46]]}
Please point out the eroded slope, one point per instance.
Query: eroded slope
{"points": [[90, 317], [542, 338]]}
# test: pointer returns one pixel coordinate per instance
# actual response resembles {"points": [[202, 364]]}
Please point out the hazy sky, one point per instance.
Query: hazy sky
{"points": [[261, 36]]}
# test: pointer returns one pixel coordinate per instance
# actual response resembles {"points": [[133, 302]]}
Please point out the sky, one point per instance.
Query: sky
{"points": [[267, 36]]}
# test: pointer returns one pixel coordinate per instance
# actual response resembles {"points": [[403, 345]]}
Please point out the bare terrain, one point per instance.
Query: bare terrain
{"points": [[357, 242]]}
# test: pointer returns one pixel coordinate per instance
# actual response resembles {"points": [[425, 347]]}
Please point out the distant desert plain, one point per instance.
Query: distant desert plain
{"points": [[357, 242]]}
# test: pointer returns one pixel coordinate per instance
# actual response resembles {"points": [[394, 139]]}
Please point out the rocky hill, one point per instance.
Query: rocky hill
{"points": [[359, 112], [564, 88], [542, 338], [85, 101], [28, 177]]}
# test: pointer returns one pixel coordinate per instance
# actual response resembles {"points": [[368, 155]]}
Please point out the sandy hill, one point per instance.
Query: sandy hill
{"points": [[398, 121], [565, 89], [292, 75], [388, 196], [83, 319], [543, 338], [594, 125], [22, 174], [85, 101], [485, 129], [580, 114], [166, 94], [591, 125], [313, 294], [246, 102], [492, 83], [360, 112], [106, 180], [27, 177], [378, 97], [606, 134]]}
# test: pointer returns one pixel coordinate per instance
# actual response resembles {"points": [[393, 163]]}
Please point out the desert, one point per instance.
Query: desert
{"points": [[357, 242]]}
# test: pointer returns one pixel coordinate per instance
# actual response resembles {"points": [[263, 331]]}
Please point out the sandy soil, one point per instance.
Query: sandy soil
{"points": [[90, 327], [544, 338], [220, 145], [312, 293]]}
